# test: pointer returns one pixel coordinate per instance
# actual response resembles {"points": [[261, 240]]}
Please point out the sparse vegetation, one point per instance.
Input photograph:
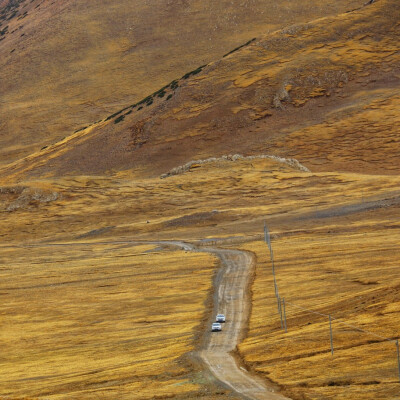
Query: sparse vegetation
{"points": [[194, 72], [119, 119], [101, 316], [174, 85], [240, 47], [4, 31], [114, 115], [81, 129], [149, 100]]}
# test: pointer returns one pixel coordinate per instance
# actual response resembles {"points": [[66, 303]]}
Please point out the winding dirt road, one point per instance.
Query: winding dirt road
{"points": [[231, 298]]}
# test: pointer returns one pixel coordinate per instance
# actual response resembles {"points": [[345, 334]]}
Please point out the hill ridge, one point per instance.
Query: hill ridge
{"points": [[253, 101]]}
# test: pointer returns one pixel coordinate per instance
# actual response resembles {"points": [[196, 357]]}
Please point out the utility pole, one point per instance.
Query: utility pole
{"points": [[284, 314], [330, 330], [398, 356]]}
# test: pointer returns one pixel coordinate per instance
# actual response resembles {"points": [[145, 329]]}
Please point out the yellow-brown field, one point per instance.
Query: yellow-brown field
{"points": [[91, 320], [349, 271], [93, 306], [108, 320]]}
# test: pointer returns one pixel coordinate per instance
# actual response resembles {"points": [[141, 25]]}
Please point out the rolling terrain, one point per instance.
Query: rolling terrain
{"points": [[65, 63], [307, 91], [298, 128], [330, 229]]}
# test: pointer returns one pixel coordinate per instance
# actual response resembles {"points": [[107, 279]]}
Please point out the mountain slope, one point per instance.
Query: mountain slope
{"points": [[65, 64], [321, 92]]}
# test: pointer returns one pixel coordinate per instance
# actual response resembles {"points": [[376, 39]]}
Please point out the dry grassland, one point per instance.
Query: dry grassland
{"points": [[324, 92], [334, 237], [65, 64], [103, 320], [351, 272], [90, 321]]}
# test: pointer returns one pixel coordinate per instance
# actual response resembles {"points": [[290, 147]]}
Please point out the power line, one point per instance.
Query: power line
{"points": [[341, 321]]}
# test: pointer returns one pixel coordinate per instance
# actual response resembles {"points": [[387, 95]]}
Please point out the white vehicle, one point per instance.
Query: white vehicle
{"points": [[216, 327], [220, 318]]}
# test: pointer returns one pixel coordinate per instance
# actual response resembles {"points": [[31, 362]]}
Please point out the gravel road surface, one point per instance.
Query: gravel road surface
{"points": [[231, 297]]}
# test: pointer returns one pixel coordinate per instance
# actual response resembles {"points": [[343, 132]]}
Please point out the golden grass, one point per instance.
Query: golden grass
{"points": [[349, 270], [335, 243], [100, 321], [286, 93]]}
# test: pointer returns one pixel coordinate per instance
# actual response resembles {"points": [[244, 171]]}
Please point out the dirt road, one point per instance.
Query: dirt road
{"points": [[231, 298]]}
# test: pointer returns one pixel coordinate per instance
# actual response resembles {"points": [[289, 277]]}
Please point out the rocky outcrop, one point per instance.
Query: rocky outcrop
{"points": [[20, 197], [193, 164]]}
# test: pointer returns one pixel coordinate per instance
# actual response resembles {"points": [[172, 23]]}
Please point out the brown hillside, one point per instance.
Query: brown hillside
{"points": [[325, 92], [65, 64]]}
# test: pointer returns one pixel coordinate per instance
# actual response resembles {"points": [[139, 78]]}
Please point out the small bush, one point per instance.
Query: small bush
{"points": [[12, 15], [238, 48], [113, 115], [81, 129], [119, 119], [4, 31], [174, 85], [194, 72]]}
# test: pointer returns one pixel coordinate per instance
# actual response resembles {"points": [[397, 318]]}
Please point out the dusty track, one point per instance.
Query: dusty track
{"points": [[232, 299]]}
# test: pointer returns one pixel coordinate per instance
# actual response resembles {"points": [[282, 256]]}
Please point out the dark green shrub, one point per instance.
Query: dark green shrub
{"points": [[81, 129], [174, 85], [4, 31], [194, 72], [238, 48], [119, 119], [113, 115]]}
